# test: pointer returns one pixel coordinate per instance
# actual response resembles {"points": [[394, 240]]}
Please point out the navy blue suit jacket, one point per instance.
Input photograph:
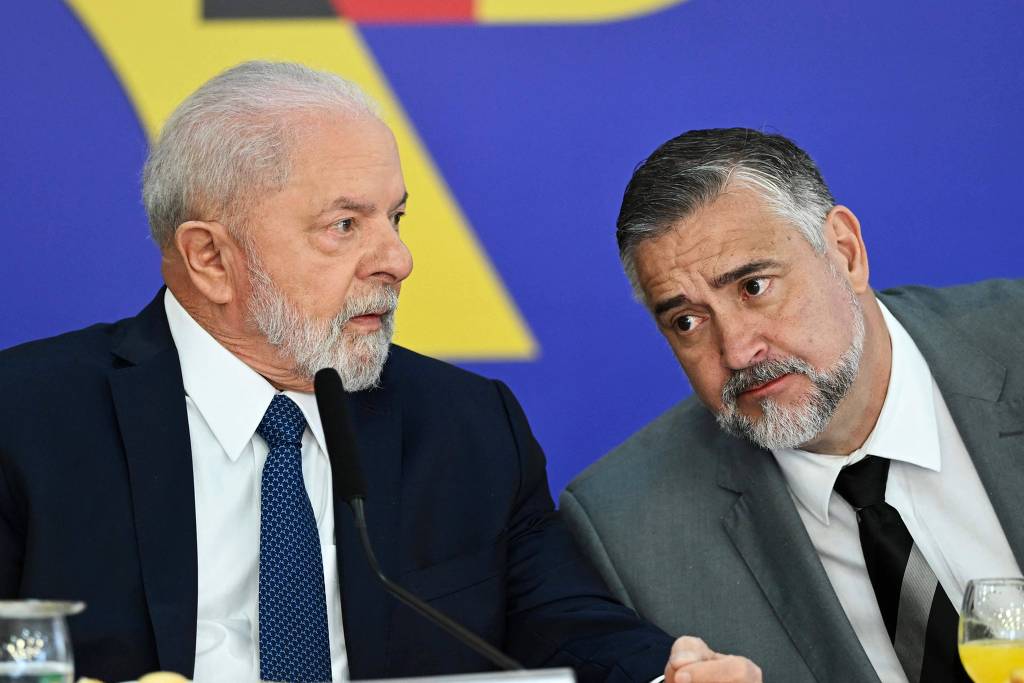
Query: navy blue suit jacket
{"points": [[96, 504]]}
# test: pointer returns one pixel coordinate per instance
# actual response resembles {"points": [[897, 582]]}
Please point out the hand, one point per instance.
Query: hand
{"points": [[692, 661]]}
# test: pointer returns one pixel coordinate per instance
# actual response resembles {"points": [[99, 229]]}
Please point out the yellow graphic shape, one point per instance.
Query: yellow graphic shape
{"points": [[550, 12], [454, 304]]}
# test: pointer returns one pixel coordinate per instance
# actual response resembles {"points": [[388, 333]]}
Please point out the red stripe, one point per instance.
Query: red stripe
{"points": [[405, 11]]}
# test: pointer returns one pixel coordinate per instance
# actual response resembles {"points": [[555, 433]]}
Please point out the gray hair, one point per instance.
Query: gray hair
{"points": [[692, 170], [230, 142]]}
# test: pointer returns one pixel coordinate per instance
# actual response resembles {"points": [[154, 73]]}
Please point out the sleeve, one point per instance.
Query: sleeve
{"points": [[589, 541], [559, 612], [12, 546]]}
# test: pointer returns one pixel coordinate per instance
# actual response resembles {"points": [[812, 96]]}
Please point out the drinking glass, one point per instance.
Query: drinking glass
{"points": [[992, 631], [34, 642]]}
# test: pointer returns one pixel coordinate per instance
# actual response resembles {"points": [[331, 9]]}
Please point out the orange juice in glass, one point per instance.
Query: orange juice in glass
{"points": [[991, 637]]}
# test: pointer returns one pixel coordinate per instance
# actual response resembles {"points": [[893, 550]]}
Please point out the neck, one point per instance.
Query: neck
{"points": [[857, 414]]}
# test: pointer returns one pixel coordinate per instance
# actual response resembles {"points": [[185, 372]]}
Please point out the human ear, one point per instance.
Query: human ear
{"points": [[846, 247], [211, 258]]}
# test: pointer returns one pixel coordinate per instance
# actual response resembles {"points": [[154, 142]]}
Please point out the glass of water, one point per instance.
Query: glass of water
{"points": [[34, 642]]}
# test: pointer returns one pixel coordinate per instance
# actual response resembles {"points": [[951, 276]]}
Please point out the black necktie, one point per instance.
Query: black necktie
{"points": [[920, 619]]}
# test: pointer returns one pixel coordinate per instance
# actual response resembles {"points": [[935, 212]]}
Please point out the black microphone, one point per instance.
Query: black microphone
{"points": [[339, 434]]}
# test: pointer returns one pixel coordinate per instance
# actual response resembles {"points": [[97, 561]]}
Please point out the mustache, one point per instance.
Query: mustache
{"points": [[382, 300], [762, 373]]}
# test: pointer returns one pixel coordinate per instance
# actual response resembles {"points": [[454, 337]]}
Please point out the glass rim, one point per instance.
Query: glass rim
{"points": [[29, 609], [997, 581]]}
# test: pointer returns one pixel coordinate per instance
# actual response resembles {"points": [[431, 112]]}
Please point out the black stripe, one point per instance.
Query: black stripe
{"points": [[267, 9], [941, 656], [887, 545]]}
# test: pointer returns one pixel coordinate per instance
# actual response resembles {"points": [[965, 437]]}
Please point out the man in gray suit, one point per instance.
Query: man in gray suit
{"points": [[719, 517]]}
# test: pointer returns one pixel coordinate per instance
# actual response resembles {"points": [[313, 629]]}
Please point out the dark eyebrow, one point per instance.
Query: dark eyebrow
{"points": [[669, 304], [360, 207], [403, 200], [718, 282], [735, 274]]}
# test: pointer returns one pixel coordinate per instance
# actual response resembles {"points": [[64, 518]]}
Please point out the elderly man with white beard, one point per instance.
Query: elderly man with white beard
{"points": [[850, 459], [170, 469]]}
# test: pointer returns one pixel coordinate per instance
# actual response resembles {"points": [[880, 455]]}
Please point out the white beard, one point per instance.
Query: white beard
{"points": [[311, 345]]}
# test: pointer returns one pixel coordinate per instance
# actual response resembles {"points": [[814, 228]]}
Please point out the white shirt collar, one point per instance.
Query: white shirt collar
{"points": [[906, 430], [231, 397]]}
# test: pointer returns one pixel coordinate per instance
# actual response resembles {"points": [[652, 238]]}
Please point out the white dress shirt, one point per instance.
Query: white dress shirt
{"points": [[226, 400], [932, 483]]}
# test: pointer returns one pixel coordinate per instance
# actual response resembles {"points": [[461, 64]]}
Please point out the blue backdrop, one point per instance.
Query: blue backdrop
{"points": [[913, 111]]}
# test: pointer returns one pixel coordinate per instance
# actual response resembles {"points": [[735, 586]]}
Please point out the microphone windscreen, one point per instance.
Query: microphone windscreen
{"points": [[333, 403]]}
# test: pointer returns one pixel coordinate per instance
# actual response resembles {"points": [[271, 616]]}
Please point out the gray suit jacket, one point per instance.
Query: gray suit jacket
{"points": [[696, 530]]}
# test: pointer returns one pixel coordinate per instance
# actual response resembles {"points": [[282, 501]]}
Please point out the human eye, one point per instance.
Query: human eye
{"points": [[343, 225], [396, 218], [686, 323], [757, 286]]}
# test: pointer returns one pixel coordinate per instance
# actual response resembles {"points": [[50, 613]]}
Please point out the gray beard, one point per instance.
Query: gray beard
{"points": [[782, 426], [311, 345]]}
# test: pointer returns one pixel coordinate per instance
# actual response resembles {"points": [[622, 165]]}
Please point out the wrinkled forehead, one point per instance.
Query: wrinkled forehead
{"points": [[737, 227]]}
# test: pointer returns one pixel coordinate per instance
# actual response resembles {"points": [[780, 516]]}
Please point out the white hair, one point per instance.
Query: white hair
{"points": [[230, 141], [807, 214]]}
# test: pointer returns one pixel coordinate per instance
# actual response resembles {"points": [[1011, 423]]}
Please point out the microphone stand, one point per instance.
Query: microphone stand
{"points": [[350, 487], [460, 633]]}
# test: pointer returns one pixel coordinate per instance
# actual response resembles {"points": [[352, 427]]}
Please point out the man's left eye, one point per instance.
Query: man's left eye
{"points": [[397, 218], [344, 225], [757, 286]]}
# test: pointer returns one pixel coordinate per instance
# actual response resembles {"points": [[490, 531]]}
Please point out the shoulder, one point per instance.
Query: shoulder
{"points": [[673, 442], [51, 362], [432, 388], [62, 380], [409, 371], [985, 314], [978, 301]]}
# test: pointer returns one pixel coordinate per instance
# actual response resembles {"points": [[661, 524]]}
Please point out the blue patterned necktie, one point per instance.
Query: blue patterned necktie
{"points": [[294, 644]]}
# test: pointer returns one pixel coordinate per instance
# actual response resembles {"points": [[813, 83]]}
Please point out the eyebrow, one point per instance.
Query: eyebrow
{"points": [[361, 207], [741, 272], [669, 304], [718, 282]]}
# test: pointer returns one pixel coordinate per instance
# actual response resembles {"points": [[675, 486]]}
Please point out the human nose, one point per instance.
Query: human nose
{"points": [[387, 259], [741, 340]]}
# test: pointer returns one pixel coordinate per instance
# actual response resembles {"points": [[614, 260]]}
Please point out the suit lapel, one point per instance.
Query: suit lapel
{"points": [[988, 414], [367, 608], [149, 401], [768, 533]]}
